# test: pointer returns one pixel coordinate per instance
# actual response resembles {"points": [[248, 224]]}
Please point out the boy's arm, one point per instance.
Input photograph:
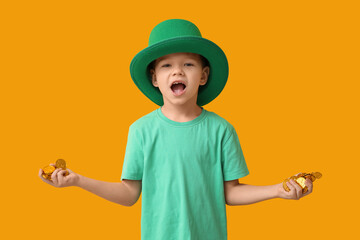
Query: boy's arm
{"points": [[125, 193], [241, 194]]}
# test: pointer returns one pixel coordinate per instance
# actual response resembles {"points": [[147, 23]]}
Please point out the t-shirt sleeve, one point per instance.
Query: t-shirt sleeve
{"points": [[234, 165], [134, 157]]}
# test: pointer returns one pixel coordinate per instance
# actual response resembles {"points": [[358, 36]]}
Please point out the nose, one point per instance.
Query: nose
{"points": [[178, 70]]}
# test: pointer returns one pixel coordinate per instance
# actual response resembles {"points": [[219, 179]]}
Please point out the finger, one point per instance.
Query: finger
{"points": [[309, 185], [292, 192], [61, 175], [298, 189], [54, 177], [41, 173]]}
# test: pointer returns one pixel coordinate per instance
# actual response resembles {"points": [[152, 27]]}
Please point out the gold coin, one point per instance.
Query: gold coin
{"points": [[48, 177], [301, 182], [293, 177], [49, 169], [300, 175], [60, 163], [317, 175], [312, 177]]}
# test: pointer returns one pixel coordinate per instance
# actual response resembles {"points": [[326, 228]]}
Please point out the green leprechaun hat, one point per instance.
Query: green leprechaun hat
{"points": [[173, 36]]}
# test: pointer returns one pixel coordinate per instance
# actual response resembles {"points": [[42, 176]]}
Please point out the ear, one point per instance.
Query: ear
{"points": [[204, 75], [153, 78]]}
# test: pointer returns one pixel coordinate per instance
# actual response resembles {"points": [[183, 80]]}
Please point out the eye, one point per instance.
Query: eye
{"points": [[166, 65], [189, 64]]}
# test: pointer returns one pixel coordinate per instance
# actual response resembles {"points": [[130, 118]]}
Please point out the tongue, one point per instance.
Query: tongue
{"points": [[177, 88]]}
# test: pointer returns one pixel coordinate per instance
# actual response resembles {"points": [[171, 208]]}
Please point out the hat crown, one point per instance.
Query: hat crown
{"points": [[173, 28]]}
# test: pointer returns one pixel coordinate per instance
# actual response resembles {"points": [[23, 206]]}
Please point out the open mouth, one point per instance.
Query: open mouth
{"points": [[178, 88]]}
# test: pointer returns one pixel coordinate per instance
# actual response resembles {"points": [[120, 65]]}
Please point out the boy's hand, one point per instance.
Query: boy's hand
{"points": [[58, 178], [295, 190]]}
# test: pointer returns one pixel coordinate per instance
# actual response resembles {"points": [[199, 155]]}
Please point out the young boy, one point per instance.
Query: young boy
{"points": [[185, 160]]}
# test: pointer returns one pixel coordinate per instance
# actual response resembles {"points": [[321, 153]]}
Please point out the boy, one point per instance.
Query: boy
{"points": [[185, 160]]}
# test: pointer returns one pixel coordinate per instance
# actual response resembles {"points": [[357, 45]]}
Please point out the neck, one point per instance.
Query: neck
{"points": [[181, 113]]}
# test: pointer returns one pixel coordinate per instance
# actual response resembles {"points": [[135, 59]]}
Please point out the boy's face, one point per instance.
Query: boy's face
{"points": [[186, 68]]}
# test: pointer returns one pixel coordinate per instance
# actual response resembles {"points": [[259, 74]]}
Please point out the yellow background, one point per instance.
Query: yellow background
{"points": [[66, 92]]}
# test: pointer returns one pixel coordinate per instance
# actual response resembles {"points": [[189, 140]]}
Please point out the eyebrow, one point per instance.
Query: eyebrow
{"points": [[159, 59]]}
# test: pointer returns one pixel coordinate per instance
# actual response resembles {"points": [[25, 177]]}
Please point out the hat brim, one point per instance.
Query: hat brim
{"points": [[219, 69]]}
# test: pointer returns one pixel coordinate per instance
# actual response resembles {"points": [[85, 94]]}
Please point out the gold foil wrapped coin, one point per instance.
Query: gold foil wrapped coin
{"points": [[46, 176], [300, 180], [48, 170], [316, 175], [60, 163]]}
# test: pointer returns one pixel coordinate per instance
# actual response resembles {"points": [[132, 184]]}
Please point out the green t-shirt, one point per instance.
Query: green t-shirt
{"points": [[183, 166]]}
